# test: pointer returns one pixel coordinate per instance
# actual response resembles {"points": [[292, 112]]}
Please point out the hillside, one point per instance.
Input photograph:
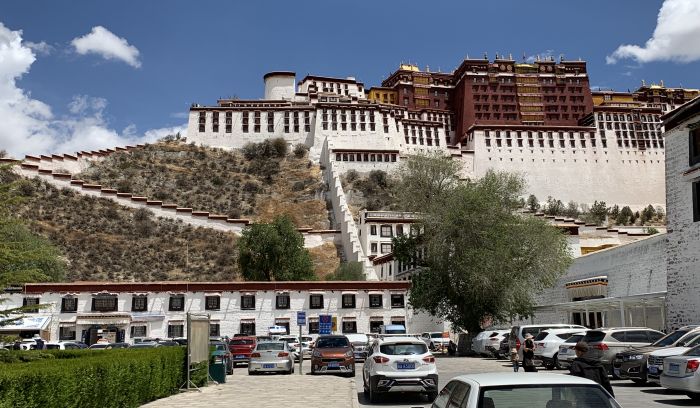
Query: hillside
{"points": [[371, 191], [219, 181]]}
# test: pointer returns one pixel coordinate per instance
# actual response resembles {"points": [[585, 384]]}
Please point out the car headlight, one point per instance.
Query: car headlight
{"points": [[349, 353], [316, 353]]}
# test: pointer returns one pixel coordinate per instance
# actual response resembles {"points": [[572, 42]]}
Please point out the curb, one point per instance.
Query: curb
{"points": [[355, 403]]}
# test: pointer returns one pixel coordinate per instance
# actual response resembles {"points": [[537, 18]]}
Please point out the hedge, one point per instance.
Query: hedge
{"points": [[93, 378]]}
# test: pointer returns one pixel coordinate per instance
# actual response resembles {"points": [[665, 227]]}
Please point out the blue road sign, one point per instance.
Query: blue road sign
{"points": [[325, 324], [301, 318]]}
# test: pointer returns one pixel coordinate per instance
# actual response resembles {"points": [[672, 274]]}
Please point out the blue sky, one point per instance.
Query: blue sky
{"points": [[199, 51]]}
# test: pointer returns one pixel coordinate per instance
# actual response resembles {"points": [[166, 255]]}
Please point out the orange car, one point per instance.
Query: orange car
{"points": [[333, 354]]}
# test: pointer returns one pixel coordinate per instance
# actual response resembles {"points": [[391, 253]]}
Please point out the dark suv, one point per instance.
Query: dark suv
{"points": [[333, 354]]}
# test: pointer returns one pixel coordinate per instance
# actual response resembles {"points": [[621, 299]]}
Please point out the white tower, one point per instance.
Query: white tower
{"points": [[280, 85]]}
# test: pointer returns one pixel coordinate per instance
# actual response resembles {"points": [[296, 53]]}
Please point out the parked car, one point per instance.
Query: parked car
{"points": [[547, 346], [436, 341], [392, 329], [566, 350], [292, 342], [681, 373], [145, 344], [605, 343], [241, 348], [490, 390], [277, 330], [399, 364], [109, 346], [655, 360], [503, 349], [632, 364], [168, 343], [65, 345], [360, 343], [492, 345], [271, 356], [333, 354], [518, 333], [220, 351]]}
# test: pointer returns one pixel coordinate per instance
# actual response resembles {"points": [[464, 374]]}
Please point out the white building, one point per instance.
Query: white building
{"points": [[683, 207], [123, 311], [378, 229]]}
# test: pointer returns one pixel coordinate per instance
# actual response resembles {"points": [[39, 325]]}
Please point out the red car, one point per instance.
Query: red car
{"points": [[241, 348]]}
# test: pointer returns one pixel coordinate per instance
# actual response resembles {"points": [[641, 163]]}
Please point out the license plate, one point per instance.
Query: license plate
{"points": [[268, 366], [240, 356], [673, 368], [616, 371], [406, 366], [653, 370], [333, 364]]}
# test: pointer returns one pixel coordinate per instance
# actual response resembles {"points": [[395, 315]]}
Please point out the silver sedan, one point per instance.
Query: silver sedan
{"points": [[271, 356]]}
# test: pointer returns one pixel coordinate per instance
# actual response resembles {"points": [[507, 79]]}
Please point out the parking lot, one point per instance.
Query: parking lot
{"points": [[306, 391]]}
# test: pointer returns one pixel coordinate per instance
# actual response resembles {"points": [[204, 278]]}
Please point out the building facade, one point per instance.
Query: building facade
{"points": [[683, 214], [124, 311]]}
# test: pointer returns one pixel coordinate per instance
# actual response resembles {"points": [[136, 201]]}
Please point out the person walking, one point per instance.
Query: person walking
{"points": [[514, 358], [589, 368], [529, 354]]}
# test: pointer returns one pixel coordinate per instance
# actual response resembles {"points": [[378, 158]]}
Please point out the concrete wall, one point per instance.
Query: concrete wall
{"points": [[683, 299]]}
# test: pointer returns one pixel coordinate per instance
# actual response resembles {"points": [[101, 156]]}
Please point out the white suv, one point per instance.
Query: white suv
{"points": [[399, 364], [547, 345], [436, 341]]}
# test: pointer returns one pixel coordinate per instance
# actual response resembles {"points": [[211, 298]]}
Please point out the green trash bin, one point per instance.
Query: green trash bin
{"points": [[217, 370]]}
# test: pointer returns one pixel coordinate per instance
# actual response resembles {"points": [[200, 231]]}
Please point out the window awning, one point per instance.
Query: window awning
{"points": [[375, 318], [177, 322], [596, 286], [103, 319], [596, 280], [349, 292], [281, 319], [247, 293], [33, 323], [313, 319], [349, 318], [70, 321], [146, 317], [247, 320], [212, 294], [282, 292], [375, 292], [317, 292]]}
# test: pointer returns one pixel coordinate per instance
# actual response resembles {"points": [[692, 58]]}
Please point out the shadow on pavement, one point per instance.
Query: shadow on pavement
{"points": [[409, 399], [687, 402]]}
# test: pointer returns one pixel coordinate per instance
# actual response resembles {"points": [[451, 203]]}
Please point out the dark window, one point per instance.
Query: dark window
{"points": [[248, 328], [283, 301], [386, 248], [375, 325], [316, 301], [398, 321], [139, 303], [69, 304], [248, 302], [696, 201], [30, 301], [176, 330], [386, 231], [349, 326], [66, 333], [212, 302], [373, 247], [372, 230], [397, 300], [399, 230], [138, 331], [348, 301], [619, 336], [104, 304], [313, 327], [214, 330], [177, 303], [694, 146], [637, 337], [375, 301], [654, 336]]}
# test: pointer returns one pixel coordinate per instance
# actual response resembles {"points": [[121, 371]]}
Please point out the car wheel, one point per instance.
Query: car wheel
{"points": [[373, 394], [639, 381], [557, 364], [365, 390]]}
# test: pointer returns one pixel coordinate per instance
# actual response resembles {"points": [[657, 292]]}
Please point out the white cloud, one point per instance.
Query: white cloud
{"points": [[155, 134], [542, 56], [180, 115], [40, 48], [28, 126], [676, 37], [103, 42]]}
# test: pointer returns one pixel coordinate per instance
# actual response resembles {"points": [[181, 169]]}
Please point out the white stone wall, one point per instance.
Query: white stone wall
{"points": [[280, 86], [623, 176], [230, 314], [683, 299]]}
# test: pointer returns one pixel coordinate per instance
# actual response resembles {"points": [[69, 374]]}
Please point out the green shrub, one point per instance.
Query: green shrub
{"points": [[300, 150], [89, 378]]}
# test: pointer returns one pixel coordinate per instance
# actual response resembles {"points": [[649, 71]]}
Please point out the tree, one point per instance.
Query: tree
{"points": [[648, 214], [481, 257], [423, 179], [554, 207], [598, 212], [572, 210], [625, 216], [614, 212], [348, 271], [532, 204], [274, 251]]}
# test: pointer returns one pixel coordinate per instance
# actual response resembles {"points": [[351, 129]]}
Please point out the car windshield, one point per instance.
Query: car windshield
{"points": [[241, 342], [276, 345], [218, 346], [100, 346], [695, 341], [332, 342], [528, 396], [307, 338], [436, 335], [594, 336], [670, 338], [53, 346], [144, 345], [289, 339], [403, 349]]}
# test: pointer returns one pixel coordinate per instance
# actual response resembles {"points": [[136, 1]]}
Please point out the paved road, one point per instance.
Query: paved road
{"points": [[628, 394]]}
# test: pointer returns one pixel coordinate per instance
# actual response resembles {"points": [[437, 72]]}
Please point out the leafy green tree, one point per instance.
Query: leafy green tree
{"points": [[598, 212], [532, 204], [348, 271], [648, 214], [572, 210], [274, 251], [423, 179], [625, 216], [554, 207], [480, 257], [614, 212]]}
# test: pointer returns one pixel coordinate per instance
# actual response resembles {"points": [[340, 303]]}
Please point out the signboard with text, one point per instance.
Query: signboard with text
{"points": [[325, 324], [301, 318]]}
